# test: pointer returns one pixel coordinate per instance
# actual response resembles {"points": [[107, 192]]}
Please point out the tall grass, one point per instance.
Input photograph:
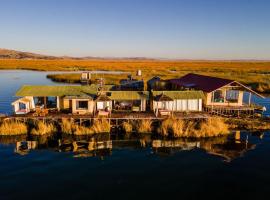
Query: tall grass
{"points": [[144, 126], [254, 74], [101, 126], [98, 126], [43, 128], [186, 128], [13, 128], [127, 126]]}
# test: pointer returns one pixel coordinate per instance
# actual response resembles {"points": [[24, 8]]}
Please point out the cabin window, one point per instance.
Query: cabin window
{"points": [[39, 101], [126, 105], [232, 95], [46, 102], [22, 106], [82, 105], [51, 102], [218, 97]]}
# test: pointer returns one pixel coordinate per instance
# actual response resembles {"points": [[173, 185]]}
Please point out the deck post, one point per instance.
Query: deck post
{"points": [[58, 103], [45, 102], [249, 99]]}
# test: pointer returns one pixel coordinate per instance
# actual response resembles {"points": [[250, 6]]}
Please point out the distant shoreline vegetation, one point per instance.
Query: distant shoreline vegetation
{"points": [[255, 74]]}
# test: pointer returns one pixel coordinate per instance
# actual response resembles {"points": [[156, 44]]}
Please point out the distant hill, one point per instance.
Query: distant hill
{"points": [[20, 55], [12, 54]]}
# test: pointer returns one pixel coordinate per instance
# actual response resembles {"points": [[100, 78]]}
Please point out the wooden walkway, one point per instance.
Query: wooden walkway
{"points": [[113, 116]]}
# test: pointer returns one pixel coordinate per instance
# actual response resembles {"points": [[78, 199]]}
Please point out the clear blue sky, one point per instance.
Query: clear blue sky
{"points": [[192, 29]]}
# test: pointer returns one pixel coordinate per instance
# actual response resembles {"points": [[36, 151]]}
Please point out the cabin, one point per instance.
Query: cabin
{"points": [[81, 100], [23, 105], [219, 93], [129, 100], [156, 83], [166, 102]]}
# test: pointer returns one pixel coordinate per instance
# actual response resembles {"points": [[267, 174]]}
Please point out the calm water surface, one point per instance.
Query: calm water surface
{"points": [[108, 167], [128, 167]]}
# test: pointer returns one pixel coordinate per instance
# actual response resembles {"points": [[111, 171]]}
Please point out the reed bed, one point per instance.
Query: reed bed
{"points": [[254, 74], [127, 127], [185, 128], [13, 128], [98, 126], [42, 128], [143, 126]]}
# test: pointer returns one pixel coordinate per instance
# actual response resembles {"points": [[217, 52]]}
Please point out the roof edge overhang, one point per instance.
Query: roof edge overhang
{"points": [[242, 85]]}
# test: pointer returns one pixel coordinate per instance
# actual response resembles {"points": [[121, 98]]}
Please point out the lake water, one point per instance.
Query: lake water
{"points": [[110, 167], [128, 167]]}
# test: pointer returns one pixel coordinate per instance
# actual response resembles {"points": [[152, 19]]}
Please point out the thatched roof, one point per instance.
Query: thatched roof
{"points": [[162, 97], [102, 97], [80, 92], [179, 94], [70, 90], [128, 95]]}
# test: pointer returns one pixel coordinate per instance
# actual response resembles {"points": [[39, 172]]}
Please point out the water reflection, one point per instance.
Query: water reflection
{"points": [[228, 148]]}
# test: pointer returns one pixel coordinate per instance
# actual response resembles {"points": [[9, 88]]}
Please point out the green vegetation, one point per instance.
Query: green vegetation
{"points": [[13, 128], [254, 74]]}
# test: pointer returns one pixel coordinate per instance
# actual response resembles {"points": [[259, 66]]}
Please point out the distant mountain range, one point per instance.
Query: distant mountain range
{"points": [[12, 54]]}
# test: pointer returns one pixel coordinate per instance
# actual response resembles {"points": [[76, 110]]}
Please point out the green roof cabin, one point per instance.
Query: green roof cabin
{"points": [[78, 99], [166, 102]]}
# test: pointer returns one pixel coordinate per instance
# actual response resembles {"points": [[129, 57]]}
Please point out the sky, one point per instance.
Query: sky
{"points": [[175, 29]]}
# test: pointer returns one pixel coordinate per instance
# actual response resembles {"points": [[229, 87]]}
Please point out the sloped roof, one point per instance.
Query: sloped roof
{"points": [[128, 95], [207, 83], [23, 100], [201, 82], [70, 90], [102, 97], [162, 97], [180, 94]]}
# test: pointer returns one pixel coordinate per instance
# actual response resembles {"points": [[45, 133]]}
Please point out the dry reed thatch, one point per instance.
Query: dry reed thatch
{"points": [[98, 126], [185, 128], [144, 126], [127, 126], [43, 128], [13, 128]]}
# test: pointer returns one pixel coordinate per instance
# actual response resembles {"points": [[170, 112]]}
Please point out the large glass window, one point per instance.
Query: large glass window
{"points": [[232, 95], [126, 105], [51, 102], [39, 101], [48, 102], [218, 96], [82, 105]]}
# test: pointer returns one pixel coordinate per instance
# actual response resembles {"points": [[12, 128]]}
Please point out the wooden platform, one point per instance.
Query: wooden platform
{"points": [[112, 116]]}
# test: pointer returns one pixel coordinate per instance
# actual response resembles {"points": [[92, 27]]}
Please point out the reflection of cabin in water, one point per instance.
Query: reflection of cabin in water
{"points": [[229, 149]]}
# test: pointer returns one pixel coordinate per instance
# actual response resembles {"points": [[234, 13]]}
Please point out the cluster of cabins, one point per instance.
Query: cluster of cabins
{"points": [[190, 93]]}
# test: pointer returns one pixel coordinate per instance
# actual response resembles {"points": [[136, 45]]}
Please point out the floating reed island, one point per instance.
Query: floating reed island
{"points": [[193, 105]]}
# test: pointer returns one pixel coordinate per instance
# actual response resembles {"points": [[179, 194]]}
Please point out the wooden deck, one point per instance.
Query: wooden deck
{"points": [[228, 111], [112, 116]]}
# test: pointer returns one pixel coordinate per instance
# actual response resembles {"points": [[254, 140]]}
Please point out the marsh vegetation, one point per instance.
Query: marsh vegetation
{"points": [[254, 74]]}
